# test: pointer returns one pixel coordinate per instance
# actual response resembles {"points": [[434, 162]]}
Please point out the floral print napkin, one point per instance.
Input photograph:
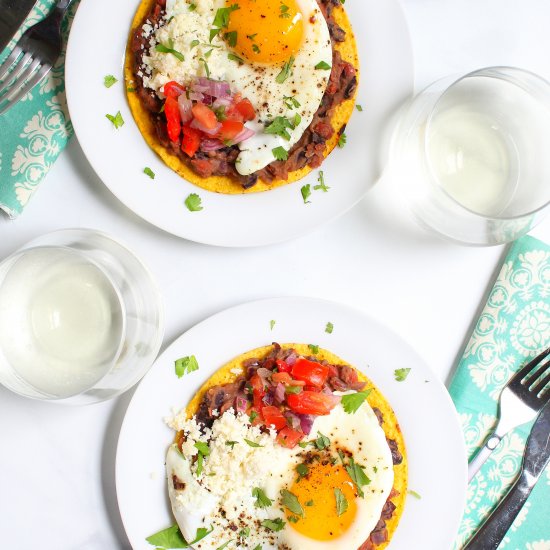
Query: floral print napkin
{"points": [[513, 328], [35, 130]]}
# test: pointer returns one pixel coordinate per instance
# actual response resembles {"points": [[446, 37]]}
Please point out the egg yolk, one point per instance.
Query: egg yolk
{"points": [[316, 495], [267, 31]]}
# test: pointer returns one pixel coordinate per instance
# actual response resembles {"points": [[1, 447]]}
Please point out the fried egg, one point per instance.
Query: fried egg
{"points": [[239, 495], [276, 53]]}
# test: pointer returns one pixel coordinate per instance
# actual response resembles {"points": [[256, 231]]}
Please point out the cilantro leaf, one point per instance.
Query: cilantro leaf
{"points": [[352, 401], [221, 19], [194, 44], [306, 193], [262, 500], [322, 441], [280, 153], [109, 80], [231, 38], [341, 502], [170, 537], [244, 532], [323, 66], [162, 48], [309, 503], [401, 374], [279, 127], [302, 469], [414, 494], [342, 140], [273, 524], [329, 328], [224, 545], [286, 71], [149, 172], [358, 476], [201, 533], [192, 7], [236, 58], [200, 462], [252, 443], [272, 324], [314, 349], [291, 102], [203, 448], [290, 500], [193, 203], [359, 107], [322, 186], [231, 443], [117, 120], [185, 365], [284, 11]]}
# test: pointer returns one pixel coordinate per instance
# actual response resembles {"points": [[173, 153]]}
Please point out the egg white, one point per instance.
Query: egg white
{"points": [[257, 82]]}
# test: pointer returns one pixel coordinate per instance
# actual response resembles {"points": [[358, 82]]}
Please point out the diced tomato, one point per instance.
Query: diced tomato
{"points": [[173, 119], [309, 402], [258, 390], [283, 366], [256, 415], [289, 438], [246, 109], [312, 373], [204, 115], [230, 129], [273, 416], [286, 379], [191, 140], [173, 89], [231, 113]]}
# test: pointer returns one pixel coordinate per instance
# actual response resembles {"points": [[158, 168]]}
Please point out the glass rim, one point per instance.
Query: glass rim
{"points": [[499, 71]]}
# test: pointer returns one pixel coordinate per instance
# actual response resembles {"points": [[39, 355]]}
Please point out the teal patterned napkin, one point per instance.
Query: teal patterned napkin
{"points": [[513, 328], [34, 131]]}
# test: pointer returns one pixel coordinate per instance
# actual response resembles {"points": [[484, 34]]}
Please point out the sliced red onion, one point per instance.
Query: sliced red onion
{"points": [[279, 393], [215, 88], [293, 421], [209, 145], [264, 374], [306, 422], [196, 96], [185, 106], [243, 135], [221, 102], [269, 397], [210, 131], [207, 99], [291, 359], [241, 403]]}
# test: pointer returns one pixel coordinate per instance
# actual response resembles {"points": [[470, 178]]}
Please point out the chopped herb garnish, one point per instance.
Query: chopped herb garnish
{"points": [[273, 524], [253, 416], [206, 68], [302, 470], [231, 443], [279, 127], [192, 7], [193, 203], [203, 448], [309, 503], [342, 456], [303, 444], [244, 532], [358, 476], [341, 502], [314, 349], [221, 19], [224, 545], [170, 537], [352, 401], [256, 48], [262, 500], [162, 48], [286, 71], [231, 38], [293, 389], [414, 494], [252, 443], [284, 11], [342, 140], [323, 66], [322, 441], [272, 324], [291, 102], [201, 533], [208, 53], [401, 374], [280, 153], [185, 365], [214, 33], [258, 547], [296, 120], [252, 36], [130, 89], [306, 193], [359, 107], [194, 44], [109, 80], [290, 501], [293, 519], [329, 328], [149, 172], [117, 120], [236, 58], [321, 186], [200, 462]]}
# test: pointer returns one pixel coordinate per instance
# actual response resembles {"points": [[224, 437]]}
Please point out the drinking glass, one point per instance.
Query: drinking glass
{"points": [[81, 319], [471, 155]]}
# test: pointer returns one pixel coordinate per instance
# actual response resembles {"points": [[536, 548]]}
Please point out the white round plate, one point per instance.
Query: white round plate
{"points": [[96, 48], [435, 449]]}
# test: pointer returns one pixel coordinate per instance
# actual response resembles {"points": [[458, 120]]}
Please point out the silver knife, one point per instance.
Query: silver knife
{"points": [[12, 15], [535, 459]]}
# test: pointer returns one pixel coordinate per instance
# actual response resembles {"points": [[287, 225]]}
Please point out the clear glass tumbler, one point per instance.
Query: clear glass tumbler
{"points": [[81, 319], [471, 155]]}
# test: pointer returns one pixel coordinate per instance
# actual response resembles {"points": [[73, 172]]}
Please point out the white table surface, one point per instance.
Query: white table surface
{"points": [[57, 464]]}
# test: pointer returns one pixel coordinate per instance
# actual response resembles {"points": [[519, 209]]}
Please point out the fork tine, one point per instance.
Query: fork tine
{"points": [[542, 384], [524, 374], [9, 61], [20, 81], [11, 77], [26, 88]]}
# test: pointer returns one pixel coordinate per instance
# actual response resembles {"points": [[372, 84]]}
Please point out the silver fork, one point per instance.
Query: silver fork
{"points": [[32, 58], [520, 401]]}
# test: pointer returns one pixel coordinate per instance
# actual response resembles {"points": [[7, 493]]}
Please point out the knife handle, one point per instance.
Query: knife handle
{"points": [[491, 533]]}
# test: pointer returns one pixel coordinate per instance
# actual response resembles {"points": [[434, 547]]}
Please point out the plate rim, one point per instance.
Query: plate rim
{"points": [[329, 304]]}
